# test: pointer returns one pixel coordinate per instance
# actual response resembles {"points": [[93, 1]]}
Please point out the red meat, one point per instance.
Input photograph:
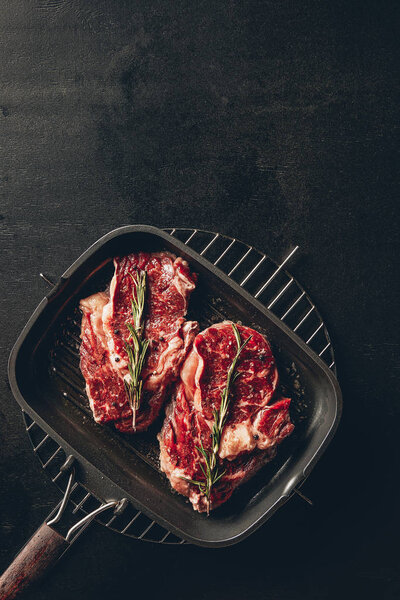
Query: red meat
{"points": [[257, 420], [104, 333]]}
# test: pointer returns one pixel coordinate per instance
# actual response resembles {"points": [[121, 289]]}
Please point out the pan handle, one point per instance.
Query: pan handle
{"points": [[39, 554], [44, 548], [46, 545]]}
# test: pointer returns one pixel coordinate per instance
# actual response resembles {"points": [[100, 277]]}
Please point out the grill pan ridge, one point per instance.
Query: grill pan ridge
{"points": [[112, 466]]}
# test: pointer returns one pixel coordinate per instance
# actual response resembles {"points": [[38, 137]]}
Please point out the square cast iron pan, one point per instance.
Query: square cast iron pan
{"points": [[113, 468]]}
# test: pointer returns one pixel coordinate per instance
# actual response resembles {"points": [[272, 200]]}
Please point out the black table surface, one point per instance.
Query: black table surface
{"points": [[274, 122]]}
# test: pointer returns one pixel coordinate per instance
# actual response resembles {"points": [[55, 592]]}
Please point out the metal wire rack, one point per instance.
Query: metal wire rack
{"points": [[268, 282]]}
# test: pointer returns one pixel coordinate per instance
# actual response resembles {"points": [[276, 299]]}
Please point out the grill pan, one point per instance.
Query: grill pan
{"points": [[115, 467]]}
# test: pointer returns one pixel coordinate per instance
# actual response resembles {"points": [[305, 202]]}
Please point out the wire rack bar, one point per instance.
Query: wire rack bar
{"points": [[191, 236], [304, 318], [57, 477], [146, 531], [131, 522], [225, 252], [82, 502], [270, 280], [278, 296], [52, 457], [292, 306], [111, 521], [41, 443], [254, 269], [164, 537], [46, 279], [240, 262], [209, 244], [324, 349], [315, 333]]}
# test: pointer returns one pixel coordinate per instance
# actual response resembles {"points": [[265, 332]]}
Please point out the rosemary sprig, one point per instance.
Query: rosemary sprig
{"points": [[136, 351], [210, 470]]}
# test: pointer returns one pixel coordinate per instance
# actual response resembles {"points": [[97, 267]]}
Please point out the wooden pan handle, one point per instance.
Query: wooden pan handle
{"points": [[38, 555]]}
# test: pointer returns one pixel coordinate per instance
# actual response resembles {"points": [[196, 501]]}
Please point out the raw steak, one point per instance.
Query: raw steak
{"points": [[257, 420], [104, 332], [104, 387]]}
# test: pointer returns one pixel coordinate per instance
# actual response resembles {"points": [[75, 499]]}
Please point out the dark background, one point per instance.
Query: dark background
{"points": [[275, 122]]}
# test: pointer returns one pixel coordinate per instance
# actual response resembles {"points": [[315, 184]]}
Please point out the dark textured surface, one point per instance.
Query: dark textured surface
{"points": [[275, 122]]}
